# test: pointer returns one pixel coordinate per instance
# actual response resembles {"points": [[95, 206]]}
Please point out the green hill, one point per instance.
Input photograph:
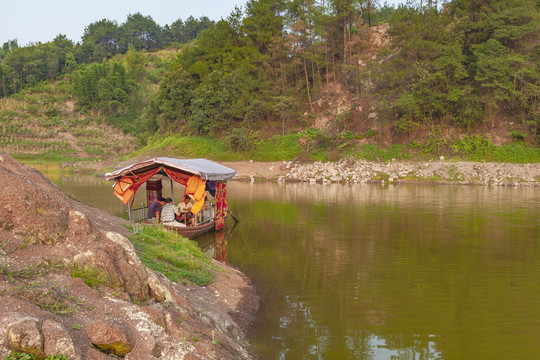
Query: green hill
{"points": [[283, 80]]}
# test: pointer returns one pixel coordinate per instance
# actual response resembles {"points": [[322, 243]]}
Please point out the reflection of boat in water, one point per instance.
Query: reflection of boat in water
{"points": [[201, 178], [217, 247]]}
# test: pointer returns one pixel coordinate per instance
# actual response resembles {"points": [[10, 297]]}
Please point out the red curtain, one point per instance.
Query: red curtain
{"points": [[221, 204], [139, 179], [177, 176]]}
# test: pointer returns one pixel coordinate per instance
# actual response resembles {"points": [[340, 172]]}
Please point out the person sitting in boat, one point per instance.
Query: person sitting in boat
{"points": [[168, 214], [154, 210], [186, 204], [184, 208]]}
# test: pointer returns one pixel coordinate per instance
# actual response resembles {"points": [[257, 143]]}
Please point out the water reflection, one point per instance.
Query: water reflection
{"points": [[408, 272]]}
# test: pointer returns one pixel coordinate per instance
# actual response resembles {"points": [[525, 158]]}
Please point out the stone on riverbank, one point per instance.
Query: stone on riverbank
{"points": [[360, 171]]}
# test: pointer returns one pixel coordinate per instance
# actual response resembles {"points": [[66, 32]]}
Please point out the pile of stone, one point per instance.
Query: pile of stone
{"points": [[441, 171]]}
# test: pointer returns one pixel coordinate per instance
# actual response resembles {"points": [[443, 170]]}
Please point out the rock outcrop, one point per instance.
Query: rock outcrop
{"points": [[135, 314]]}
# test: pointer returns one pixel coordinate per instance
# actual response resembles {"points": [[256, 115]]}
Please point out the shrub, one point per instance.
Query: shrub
{"points": [[473, 147], [241, 139]]}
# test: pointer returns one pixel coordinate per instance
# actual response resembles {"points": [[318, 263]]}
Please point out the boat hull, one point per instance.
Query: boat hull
{"points": [[191, 232]]}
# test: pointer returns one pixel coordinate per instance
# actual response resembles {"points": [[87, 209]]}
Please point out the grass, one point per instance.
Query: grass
{"points": [[28, 272], [515, 153], [373, 152], [277, 148], [47, 158], [190, 147], [91, 275], [175, 257], [479, 148], [27, 285], [289, 147], [22, 356]]}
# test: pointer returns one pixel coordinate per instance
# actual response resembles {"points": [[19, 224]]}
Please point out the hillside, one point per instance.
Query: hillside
{"points": [[282, 80], [42, 124]]}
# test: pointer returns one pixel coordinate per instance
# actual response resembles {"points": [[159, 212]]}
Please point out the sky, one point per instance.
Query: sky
{"points": [[42, 20]]}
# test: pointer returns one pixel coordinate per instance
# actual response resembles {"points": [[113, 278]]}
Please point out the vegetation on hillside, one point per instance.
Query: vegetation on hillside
{"points": [[277, 68], [24, 66]]}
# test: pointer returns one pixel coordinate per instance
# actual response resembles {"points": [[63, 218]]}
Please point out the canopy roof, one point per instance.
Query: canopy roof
{"points": [[205, 169]]}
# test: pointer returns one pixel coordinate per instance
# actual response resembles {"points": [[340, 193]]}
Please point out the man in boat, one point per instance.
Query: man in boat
{"points": [[184, 208], [169, 213], [154, 210], [185, 205]]}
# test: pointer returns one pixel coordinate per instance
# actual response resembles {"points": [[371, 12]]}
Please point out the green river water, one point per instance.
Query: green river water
{"points": [[381, 272]]}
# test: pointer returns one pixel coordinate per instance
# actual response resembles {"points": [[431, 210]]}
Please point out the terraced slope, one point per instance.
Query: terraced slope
{"points": [[43, 123]]}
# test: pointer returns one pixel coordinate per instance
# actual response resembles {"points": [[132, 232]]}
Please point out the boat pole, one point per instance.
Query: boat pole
{"points": [[172, 190], [232, 215], [129, 203]]}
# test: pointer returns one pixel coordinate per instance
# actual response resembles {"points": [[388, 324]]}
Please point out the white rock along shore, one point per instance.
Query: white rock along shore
{"points": [[440, 171]]}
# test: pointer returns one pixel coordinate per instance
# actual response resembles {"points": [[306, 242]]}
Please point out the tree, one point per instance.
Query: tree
{"points": [[210, 107], [264, 21], [141, 32], [170, 105], [103, 39], [135, 65]]}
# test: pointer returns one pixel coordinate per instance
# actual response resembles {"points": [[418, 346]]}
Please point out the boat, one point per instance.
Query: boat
{"points": [[201, 177]]}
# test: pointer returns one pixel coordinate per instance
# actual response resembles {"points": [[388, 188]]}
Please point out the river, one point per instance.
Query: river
{"points": [[381, 272]]}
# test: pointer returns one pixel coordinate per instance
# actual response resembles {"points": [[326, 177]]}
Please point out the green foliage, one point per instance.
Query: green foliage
{"points": [[240, 139], [278, 148], [211, 104], [265, 65], [190, 147], [435, 144], [516, 153], [518, 136], [479, 148], [316, 143], [169, 107], [473, 147], [174, 256], [459, 66], [369, 134], [184, 31]]}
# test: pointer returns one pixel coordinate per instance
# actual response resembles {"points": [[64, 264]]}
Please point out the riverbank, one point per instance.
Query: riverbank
{"points": [[72, 283], [441, 171], [360, 171]]}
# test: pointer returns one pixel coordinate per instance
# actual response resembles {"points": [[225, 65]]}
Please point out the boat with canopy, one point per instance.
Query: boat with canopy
{"points": [[202, 178]]}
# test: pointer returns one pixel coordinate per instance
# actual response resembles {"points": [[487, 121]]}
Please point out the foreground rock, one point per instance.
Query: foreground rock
{"points": [[135, 314]]}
